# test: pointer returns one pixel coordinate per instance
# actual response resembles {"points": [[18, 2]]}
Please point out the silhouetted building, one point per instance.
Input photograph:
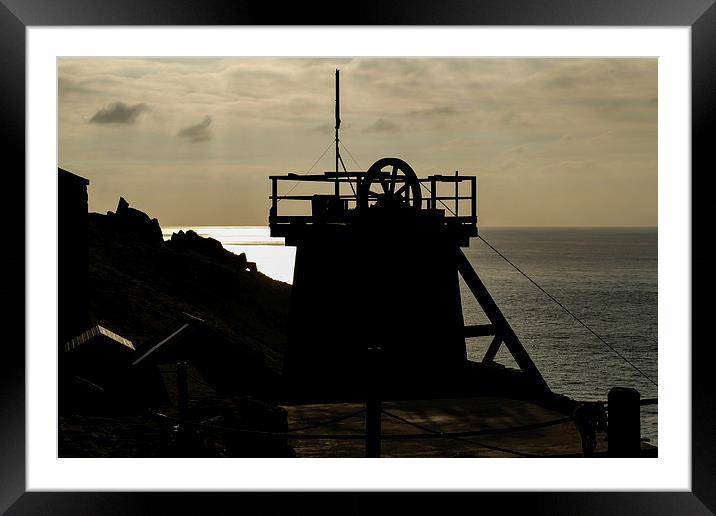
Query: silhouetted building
{"points": [[94, 369], [380, 268], [97, 354], [72, 255]]}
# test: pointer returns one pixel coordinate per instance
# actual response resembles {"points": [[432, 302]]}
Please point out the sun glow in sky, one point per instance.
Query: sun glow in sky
{"points": [[553, 142]]}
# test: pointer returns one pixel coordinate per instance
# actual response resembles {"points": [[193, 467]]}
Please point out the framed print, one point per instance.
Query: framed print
{"points": [[651, 58]]}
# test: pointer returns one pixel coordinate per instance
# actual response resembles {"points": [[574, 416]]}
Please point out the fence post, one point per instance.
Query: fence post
{"points": [[274, 199], [182, 401], [373, 403], [624, 424]]}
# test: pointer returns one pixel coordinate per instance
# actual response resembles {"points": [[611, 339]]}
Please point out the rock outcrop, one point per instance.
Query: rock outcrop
{"points": [[208, 246], [139, 286], [135, 222], [190, 240]]}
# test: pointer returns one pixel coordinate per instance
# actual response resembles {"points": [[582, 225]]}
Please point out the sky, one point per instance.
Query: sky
{"points": [[553, 142]]}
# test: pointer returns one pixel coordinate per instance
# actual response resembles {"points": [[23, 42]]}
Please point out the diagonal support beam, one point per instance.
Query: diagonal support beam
{"points": [[503, 328], [491, 352]]}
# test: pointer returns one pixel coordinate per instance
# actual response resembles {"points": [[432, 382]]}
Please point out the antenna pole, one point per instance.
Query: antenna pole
{"points": [[338, 125]]}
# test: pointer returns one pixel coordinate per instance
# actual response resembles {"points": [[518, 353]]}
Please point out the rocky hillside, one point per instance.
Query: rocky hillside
{"points": [[139, 285]]}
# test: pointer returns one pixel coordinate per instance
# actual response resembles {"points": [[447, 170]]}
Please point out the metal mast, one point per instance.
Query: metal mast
{"points": [[338, 125]]}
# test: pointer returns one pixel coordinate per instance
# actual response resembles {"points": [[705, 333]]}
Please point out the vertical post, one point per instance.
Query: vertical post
{"points": [[457, 202], [432, 193], [182, 399], [274, 198], [624, 422], [473, 194], [373, 403]]}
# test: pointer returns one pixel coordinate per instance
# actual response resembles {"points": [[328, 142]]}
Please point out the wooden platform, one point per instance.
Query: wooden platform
{"points": [[446, 415]]}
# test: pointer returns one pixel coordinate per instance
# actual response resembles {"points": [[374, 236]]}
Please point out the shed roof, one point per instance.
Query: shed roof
{"points": [[98, 333]]}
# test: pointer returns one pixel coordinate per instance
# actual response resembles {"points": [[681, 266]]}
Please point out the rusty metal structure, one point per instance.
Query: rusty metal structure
{"points": [[378, 261]]}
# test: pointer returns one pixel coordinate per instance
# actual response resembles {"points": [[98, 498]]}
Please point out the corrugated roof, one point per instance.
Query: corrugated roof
{"points": [[94, 333]]}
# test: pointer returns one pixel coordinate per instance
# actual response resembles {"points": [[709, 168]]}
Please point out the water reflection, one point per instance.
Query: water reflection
{"points": [[272, 257]]}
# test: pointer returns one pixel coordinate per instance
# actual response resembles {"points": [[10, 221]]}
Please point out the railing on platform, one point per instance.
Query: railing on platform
{"points": [[344, 205]]}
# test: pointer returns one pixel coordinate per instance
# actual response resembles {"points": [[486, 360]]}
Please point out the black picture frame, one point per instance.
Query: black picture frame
{"points": [[16, 15]]}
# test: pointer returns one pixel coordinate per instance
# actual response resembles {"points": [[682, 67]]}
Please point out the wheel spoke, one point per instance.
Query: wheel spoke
{"points": [[402, 189], [382, 183], [393, 178]]}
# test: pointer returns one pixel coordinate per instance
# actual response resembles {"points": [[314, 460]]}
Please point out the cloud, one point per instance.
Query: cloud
{"points": [[197, 133], [323, 128], [383, 126], [68, 87], [118, 113], [517, 119], [435, 111]]}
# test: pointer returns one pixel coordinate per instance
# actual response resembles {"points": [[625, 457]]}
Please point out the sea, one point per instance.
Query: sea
{"points": [[607, 277]]}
